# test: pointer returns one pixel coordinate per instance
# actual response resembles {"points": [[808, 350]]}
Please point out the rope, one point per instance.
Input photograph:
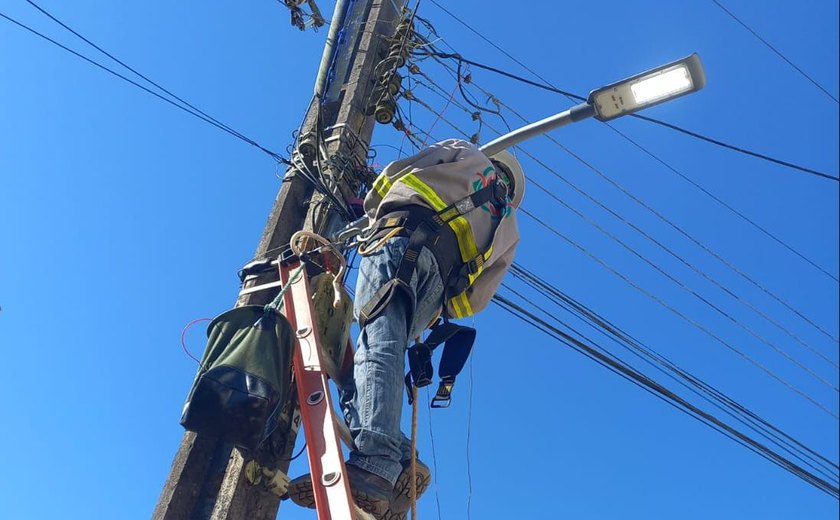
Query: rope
{"points": [[413, 484], [342, 262], [364, 251], [278, 300]]}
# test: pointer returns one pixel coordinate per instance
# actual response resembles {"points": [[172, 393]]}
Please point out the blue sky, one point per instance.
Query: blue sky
{"points": [[122, 219]]}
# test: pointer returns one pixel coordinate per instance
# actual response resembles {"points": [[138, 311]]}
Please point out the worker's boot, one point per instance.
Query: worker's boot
{"points": [[371, 493], [401, 501]]}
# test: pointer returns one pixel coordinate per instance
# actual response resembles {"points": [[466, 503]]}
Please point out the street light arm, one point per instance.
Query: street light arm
{"points": [[572, 115]]}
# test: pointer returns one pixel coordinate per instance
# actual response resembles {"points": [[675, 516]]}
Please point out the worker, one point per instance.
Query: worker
{"points": [[443, 233]]}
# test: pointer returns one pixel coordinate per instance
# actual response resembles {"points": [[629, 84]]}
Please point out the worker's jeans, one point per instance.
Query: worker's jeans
{"points": [[373, 404]]}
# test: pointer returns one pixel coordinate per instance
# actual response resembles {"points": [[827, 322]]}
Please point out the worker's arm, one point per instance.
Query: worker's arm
{"points": [[479, 294]]}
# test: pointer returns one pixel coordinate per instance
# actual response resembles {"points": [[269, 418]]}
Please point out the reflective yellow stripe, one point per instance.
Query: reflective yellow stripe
{"points": [[463, 233], [382, 185], [461, 305], [462, 229], [488, 253]]}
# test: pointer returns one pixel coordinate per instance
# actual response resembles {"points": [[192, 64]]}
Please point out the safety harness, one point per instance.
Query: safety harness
{"points": [[433, 230]]}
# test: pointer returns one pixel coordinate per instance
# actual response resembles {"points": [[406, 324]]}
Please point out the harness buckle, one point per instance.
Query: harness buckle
{"points": [[443, 396], [475, 265]]}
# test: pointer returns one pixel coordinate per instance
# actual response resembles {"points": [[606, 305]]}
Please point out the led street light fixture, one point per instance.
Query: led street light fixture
{"points": [[619, 99], [648, 88]]}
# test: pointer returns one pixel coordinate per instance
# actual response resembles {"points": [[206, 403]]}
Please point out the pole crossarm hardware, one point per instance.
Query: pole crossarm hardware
{"points": [[208, 478]]}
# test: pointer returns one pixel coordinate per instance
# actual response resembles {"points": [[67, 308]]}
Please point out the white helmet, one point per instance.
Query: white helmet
{"points": [[514, 173]]}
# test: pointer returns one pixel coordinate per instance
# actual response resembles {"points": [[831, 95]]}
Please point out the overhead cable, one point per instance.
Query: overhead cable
{"points": [[655, 266], [651, 295], [665, 394], [775, 50], [187, 109], [706, 391], [545, 85], [811, 459], [671, 126], [646, 151], [697, 325]]}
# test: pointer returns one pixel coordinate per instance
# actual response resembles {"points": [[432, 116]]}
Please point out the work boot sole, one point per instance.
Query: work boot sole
{"points": [[301, 493]]}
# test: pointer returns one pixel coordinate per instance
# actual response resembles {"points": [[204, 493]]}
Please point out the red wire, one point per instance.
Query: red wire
{"points": [[184, 333]]}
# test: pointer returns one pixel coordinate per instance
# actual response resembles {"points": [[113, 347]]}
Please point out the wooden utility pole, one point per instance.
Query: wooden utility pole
{"points": [[208, 477]]}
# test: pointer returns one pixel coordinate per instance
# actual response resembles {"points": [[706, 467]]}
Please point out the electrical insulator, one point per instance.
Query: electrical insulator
{"points": [[307, 146], [399, 54], [394, 83], [384, 112], [414, 69]]}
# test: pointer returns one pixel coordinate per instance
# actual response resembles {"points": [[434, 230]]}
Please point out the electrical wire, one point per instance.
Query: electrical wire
{"points": [[547, 86], [775, 50], [194, 113], [681, 315], [671, 126], [298, 454], [300, 166], [434, 451], [666, 395], [808, 477], [709, 393]]}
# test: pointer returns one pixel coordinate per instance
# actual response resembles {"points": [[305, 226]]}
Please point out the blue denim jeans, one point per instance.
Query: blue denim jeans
{"points": [[373, 399]]}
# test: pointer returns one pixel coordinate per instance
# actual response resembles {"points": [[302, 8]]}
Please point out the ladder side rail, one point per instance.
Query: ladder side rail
{"points": [[326, 462]]}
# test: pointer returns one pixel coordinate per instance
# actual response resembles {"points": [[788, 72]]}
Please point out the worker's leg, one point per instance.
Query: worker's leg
{"points": [[375, 401]]}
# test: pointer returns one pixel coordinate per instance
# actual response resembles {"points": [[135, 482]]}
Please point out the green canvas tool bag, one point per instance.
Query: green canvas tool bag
{"points": [[244, 378]]}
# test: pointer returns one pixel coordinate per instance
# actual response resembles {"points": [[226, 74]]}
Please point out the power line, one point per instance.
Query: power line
{"points": [[545, 85], [667, 367], [665, 394], [671, 126], [778, 53], [152, 82], [186, 109], [681, 315]]}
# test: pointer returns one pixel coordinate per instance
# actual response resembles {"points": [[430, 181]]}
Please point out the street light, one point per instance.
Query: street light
{"points": [[627, 96]]}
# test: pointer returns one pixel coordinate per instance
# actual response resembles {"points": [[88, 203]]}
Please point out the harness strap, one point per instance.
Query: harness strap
{"points": [[458, 341], [427, 228], [424, 227]]}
